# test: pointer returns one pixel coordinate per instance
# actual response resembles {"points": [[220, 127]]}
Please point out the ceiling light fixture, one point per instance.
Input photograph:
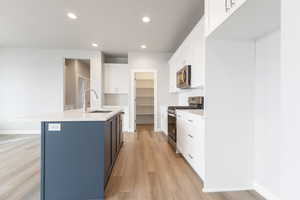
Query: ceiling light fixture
{"points": [[143, 46], [146, 19], [72, 15], [95, 45]]}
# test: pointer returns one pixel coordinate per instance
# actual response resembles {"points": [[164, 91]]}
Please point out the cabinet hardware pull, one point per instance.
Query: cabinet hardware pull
{"points": [[190, 121], [227, 7], [190, 136], [191, 156], [232, 3]]}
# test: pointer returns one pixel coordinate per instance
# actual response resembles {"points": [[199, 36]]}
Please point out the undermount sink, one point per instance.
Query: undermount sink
{"points": [[100, 111]]}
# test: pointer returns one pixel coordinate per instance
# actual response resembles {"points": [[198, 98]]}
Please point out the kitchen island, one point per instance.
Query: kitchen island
{"points": [[78, 153]]}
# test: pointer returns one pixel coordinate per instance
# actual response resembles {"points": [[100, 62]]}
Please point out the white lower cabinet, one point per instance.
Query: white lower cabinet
{"points": [[179, 143], [190, 140]]}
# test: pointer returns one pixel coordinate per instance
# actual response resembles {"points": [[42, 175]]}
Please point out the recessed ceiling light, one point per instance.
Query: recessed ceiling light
{"points": [[143, 46], [72, 15], [95, 45], [146, 19]]}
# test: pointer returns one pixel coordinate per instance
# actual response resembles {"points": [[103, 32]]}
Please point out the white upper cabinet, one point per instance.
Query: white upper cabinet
{"points": [[116, 78], [198, 55], [217, 11], [236, 4], [172, 75], [191, 52]]}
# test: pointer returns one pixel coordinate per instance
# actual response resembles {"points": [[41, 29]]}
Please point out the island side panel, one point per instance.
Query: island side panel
{"points": [[73, 161]]}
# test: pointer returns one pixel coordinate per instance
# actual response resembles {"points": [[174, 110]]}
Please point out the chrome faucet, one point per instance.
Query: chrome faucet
{"points": [[84, 106]]}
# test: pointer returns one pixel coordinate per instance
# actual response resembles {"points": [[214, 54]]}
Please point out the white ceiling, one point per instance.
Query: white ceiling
{"points": [[114, 24]]}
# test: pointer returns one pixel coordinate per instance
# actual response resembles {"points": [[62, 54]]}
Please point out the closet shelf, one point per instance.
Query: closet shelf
{"points": [[146, 105], [144, 79], [144, 96], [144, 113]]}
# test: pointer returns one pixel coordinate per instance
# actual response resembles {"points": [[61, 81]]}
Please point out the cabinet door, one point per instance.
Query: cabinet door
{"points": [[118, 132], [179, 132], [114, 139], [107, 149], [219, 10], [198, 147], [116, 78], [121, 130], [107, 85], [185, 140], [236, 4], [172, 76], [187, 49], [198, 55]]}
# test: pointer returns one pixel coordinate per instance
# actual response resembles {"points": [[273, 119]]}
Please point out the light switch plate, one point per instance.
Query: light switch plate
{"points": [[54, 127]]}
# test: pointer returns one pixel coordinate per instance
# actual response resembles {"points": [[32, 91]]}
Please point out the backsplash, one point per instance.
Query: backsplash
{"points": [[185, 94]]}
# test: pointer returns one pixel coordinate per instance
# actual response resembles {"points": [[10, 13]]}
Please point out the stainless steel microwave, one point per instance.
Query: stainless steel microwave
{"points": [[184, 77]]}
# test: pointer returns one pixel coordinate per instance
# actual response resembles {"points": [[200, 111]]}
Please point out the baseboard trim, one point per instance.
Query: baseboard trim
{"points": [[131, 131], [157, 130], [20, 132], [209, 190], [264, 192]]}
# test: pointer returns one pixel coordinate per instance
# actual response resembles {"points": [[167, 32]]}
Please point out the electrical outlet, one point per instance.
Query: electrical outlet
{"points": [[54, 127]]}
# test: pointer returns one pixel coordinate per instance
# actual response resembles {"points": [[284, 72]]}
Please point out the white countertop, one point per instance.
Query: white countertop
{"points": [[74, 115], [197, 112]]}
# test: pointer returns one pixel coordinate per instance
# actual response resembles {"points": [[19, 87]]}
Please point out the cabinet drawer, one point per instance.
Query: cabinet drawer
{"points": [[194, 159], [191, 120]]}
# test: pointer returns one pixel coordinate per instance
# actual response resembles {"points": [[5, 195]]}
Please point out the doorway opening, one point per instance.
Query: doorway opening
{"points": [[145, 99], [76, 82]]}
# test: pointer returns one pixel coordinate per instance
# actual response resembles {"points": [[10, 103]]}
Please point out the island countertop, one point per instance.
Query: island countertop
{"points": [[74, 115]]}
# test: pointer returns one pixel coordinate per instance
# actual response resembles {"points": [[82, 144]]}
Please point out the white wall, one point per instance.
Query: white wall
{"points": [[183, 95], [229, 137], [116, 99], [268, 115], [31, 82], [290, 40], [158, 61]]}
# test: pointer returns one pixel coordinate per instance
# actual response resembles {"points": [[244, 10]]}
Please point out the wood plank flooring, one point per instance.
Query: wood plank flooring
{"points": [[146, 169]]}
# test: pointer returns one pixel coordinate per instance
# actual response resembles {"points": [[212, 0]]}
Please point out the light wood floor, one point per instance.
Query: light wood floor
{"points": [[147, 169]]}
